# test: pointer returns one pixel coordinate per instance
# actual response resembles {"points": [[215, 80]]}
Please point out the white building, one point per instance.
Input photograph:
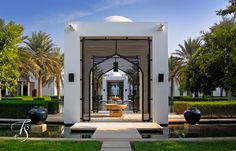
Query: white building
{"points": [[114, 78], [116, 36]]}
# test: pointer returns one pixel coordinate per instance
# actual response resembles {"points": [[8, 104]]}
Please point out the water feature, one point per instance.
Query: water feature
{"points": [[202, 130], [102, 105], [172, 131], [53, 131]]}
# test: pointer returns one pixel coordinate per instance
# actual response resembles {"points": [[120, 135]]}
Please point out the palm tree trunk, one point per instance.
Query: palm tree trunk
{"points": [[39, 86], [171, 89], [58, 85]]}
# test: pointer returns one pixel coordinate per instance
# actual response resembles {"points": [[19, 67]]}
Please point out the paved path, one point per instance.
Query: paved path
{"points": [[116, 136], [116, 139], [115, 125], [113, 138]]}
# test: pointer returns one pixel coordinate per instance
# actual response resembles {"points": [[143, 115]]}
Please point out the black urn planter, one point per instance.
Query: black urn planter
{"points": [[192, 115], [38, 115]]}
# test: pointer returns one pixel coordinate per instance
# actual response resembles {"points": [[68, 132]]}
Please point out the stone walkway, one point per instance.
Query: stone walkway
{"points": [[116, 140], [116, 136]]}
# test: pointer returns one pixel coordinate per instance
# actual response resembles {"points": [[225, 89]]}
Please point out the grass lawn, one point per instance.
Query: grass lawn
{"points": [[15, 145], [185, 146]]}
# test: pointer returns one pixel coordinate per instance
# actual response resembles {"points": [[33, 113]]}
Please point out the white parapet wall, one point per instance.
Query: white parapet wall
{"points": [[159, 52]]}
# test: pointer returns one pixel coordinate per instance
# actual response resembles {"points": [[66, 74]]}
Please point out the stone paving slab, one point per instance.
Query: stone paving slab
{"points": [[114, 144], [118, 133], [115, 125], [116, 149]]}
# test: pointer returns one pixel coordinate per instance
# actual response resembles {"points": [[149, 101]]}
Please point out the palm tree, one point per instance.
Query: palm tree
{"points": [[190, 48], [26, 64], [42, 49], [174, 73], [182, 56], [57, 74]]}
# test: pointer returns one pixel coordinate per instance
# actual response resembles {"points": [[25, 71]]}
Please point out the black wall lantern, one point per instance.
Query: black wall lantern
{"points": [[160, 77], [71, 77], [115, 66]]}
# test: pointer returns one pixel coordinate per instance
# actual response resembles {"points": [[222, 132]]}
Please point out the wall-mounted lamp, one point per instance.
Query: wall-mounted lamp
{"points": [[115, 66], [160, 27], [71, 77], [160, 77], [72, 27]]}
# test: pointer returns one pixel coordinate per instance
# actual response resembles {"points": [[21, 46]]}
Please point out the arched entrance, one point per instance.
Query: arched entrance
{"points": [[127, 83], [108, 53]]}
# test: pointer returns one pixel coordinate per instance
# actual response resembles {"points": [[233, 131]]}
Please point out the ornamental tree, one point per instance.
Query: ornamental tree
{"points": [[10, 37]]}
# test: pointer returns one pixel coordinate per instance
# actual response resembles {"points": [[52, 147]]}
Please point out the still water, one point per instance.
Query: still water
{"points": [[53, 131], [201, 130], [172, 131]]}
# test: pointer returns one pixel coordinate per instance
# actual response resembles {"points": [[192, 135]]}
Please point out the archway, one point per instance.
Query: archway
{"points": [[127, 69], [127, 53]]}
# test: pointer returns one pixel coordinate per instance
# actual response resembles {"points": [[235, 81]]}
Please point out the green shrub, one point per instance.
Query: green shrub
{"points": [[12, 98], [55, 98], [209, 108], [39, 99], [186, 98], [18, 109], [53, 107], [27, 98]]}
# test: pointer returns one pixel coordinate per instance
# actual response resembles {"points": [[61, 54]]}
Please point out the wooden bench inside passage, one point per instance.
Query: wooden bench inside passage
{"points": [[116, 110]]}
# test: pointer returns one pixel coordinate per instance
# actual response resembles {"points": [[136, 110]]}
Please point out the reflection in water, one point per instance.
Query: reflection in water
{"points": [[172, 131], [53, 131], [202, 130]]}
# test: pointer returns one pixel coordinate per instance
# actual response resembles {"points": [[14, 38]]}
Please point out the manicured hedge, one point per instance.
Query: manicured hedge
{"points": [[208, 109], [12, 98], [19, 109], [53, 107], [184, 98], [39, 99], [55, 98]]}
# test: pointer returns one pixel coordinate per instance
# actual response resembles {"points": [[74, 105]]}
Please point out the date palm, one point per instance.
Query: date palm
{"points": [[174, 73], [42, 49], [186, 51], [183, 56], [26, 64], [57, 74]]}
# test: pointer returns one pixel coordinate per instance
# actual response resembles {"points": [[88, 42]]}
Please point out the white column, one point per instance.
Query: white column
{"points": [[6, 91], [126, 87], [140, 92], [104, 89], [28, 88], [21, 89], [72, 96], [160, 66]]}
